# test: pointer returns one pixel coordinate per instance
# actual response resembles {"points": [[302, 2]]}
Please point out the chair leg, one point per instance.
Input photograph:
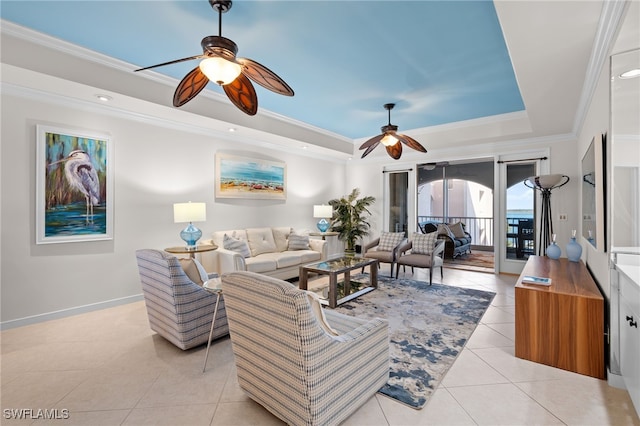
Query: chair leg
{"points": [[397, 270], [430, 275]]}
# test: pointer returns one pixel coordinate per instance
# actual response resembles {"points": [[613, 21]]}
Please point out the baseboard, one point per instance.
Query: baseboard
{"points": [[615, 380], [68, 312]]}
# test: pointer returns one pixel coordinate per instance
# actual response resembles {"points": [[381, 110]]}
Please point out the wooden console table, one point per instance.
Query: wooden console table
{"points": [[561, 325]]}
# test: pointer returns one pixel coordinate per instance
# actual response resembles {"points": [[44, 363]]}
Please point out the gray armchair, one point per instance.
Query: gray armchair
{"points": [[178, 309], [291, 364], [385, 248], [419, 260]]}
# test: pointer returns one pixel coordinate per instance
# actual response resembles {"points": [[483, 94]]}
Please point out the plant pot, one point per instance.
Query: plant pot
{"points": [[349, 252]]}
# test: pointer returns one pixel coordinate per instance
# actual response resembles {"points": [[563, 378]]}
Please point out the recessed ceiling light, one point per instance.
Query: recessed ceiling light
{"points": [[232, 129], [631, 73], [104, 98], [304, 147]]}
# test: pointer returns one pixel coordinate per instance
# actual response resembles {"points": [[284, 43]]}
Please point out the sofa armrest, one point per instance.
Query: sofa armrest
{"points": [[230, 261], [319, 246]]}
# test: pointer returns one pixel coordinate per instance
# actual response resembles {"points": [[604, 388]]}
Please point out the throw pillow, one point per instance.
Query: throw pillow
{"points": [[423, 243], [298, 242], [316, 308], [194, 270], [234, 244], [457, 229], [389, 240], [444, 230], [261, 241]]}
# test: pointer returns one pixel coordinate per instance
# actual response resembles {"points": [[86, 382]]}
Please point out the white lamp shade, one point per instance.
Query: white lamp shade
{"points": [[189, 212], [546, 181], [220, 70], [322, 211]]}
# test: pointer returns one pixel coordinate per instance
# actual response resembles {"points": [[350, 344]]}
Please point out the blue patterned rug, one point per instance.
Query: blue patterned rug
{"points": [[428, 327]]}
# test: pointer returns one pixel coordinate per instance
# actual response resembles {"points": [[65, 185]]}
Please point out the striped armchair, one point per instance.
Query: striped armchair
{"points": [[179, 309], [289, 364]]}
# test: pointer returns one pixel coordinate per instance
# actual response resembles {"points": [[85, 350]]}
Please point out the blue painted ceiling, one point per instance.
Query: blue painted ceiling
{"points": [[439, 61]]}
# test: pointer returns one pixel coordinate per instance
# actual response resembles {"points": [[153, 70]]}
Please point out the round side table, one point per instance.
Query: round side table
{"points": [[191, 251]]}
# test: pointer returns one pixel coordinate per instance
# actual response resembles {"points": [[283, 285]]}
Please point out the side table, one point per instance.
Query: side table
{"points": [[213, 285], [191, 251], [323, 234]]}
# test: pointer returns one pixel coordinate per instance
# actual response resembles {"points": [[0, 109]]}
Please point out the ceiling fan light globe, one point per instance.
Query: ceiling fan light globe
{"points": [[389, 140], [220, 70]]}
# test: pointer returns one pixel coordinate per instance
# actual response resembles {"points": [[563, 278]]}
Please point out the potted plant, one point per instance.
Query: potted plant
{"points": [[350, 218]]}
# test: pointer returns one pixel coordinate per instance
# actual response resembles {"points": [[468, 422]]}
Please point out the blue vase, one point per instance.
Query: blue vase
{"points": [[553, 251], [574, 250]]}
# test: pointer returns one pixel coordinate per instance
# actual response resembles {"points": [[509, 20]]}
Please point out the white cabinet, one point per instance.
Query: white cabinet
{"points": [[630, 331]]}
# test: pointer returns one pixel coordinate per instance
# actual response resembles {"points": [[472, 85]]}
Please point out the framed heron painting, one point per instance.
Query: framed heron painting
{"points": [[74, 187]]}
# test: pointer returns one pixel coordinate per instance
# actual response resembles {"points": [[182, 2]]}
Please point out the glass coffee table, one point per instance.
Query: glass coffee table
{"points": [[341, 292]]}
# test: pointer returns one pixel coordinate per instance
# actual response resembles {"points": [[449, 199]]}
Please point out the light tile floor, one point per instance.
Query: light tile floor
{"points": [[108, 368]]}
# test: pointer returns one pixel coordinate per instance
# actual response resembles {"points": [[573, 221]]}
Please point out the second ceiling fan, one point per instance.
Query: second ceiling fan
{"points": [[391, 139], [220, 65]]}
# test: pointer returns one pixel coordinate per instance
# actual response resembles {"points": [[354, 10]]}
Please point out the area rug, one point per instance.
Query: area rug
{"points": [[428, 327]]}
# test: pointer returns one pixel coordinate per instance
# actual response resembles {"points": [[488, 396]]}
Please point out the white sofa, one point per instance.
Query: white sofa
{"points": [[270, 253]]}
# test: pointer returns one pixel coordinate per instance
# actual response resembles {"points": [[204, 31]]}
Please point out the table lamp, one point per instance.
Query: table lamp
{"points": [[545, 184], [190, 212], [323, 213]]}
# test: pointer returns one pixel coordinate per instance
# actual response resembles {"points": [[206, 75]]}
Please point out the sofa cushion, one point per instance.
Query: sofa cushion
{"points": [[318, 312], [236, 245], [298, 242], [261, 241], [423, 243], [281, 236], [389, 240], [457, 229], [194, 270], [261, 264]]}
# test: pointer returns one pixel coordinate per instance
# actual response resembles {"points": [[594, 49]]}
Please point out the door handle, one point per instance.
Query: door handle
{"points": [[632, 323]]}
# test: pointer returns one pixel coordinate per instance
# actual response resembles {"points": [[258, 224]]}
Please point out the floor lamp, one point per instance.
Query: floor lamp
{"points": [[545, 184]]}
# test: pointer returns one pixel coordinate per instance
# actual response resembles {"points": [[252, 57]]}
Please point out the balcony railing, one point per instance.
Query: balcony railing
{"points": [[481, 230]]}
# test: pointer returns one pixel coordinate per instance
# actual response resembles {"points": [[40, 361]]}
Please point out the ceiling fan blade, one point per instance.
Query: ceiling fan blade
{"points": [[373, 140], [241, 92], [395, 150], [189, 87], [264, 77], [410, 142], [371, 148], [171, 62]]}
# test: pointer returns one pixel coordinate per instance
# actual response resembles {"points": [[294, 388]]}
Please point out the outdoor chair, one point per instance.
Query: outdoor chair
{"points": [[423, 251], [307, 366]]}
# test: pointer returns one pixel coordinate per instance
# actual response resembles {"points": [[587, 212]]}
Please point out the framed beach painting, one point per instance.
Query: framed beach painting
{"points": [[74, 185], [242, 177]]}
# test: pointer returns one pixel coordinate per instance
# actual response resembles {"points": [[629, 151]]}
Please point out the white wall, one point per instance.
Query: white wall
{"points": [[154, 167], [596, 122]]}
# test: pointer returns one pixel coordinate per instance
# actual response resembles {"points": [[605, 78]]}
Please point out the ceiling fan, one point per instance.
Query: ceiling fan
{"points": [[391, 140], [220, 65]]}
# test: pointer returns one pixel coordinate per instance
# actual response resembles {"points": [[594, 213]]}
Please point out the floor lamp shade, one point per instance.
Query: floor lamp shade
{"points": [[190, 212], [544, 184], [323, 213]]}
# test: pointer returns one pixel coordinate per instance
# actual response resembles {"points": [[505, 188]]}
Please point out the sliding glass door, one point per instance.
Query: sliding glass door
{"points": [[398, 213]]}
